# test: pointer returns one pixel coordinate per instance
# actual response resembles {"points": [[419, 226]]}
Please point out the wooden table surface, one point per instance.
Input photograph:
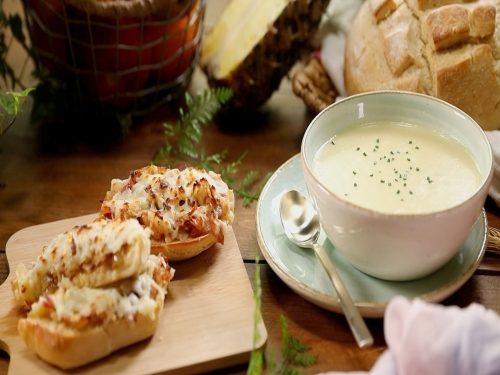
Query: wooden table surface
{"points": [[47, 176]]}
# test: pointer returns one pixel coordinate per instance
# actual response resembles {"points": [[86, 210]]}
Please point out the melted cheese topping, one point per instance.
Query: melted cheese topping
{"points": [[176, 205], [80, 253], [81, 308]]}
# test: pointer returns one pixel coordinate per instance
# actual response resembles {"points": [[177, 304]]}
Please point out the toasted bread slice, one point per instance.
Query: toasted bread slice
{"points": [[74, 326], [69, 348], [186, 210]]}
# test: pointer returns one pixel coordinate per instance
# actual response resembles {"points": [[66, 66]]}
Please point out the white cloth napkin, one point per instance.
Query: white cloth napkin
{"points": [[336, 22], [432, 339]]}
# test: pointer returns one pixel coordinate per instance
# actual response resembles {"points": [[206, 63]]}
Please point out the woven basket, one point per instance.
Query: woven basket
{"points": [[128, 54], [312, 84]]}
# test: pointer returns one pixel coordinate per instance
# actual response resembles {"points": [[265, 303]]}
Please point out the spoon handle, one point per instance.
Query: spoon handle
{"points": [[356, 323]]}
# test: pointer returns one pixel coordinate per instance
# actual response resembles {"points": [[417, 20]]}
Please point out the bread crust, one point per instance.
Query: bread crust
{"points": [[69, 348], [451, 51], [182, 250]]}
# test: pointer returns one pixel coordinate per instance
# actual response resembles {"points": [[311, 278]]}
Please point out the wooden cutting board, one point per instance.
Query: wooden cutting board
{"points": [[207, 322]]}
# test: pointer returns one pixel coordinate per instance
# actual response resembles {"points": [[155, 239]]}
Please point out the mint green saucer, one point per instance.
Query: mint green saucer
{"points": [[300, 270]]}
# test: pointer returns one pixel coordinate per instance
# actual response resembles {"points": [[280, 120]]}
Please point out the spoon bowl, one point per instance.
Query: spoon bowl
{"points": [[302, 227], [299, 218]]}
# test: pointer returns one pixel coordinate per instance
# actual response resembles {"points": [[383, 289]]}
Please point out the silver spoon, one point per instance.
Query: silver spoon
{"points": [[301, 224]]}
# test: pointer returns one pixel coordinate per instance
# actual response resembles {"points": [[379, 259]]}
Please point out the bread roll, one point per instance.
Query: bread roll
{"points": [[90, 255], [447, 49], [186, 210], [76, 325]]}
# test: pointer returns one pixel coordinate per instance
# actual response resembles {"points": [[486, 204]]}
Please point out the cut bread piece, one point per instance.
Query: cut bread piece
{"points": [[69, 348], [74, 326], [91, 255], [186, 210]]}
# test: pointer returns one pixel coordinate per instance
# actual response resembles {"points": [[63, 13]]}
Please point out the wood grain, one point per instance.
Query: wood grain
{"points": [[327, 333], [50, 172], [207, 322]]}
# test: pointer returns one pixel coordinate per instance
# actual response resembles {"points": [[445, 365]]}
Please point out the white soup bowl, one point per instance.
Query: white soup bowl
{"points": [[396, 246]]}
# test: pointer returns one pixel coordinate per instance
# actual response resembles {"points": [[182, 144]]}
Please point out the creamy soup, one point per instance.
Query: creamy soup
{"points": [[397, 168]]}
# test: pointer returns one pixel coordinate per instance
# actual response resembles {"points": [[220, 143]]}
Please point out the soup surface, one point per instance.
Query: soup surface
{"points": [[397, 168]]}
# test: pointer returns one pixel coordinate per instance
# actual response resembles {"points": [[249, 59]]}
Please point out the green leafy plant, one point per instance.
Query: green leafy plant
{"points": [[183, 144], [256, 363], [293, 351], [183, 137], [10, 105]]}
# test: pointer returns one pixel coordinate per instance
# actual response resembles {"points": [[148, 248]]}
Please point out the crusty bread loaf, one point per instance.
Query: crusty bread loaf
{"points": [[91, 255], [76, 325], [448, 49], [186, 210]]}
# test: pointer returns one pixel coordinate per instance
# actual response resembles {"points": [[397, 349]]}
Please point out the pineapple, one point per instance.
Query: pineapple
{"points": [[255, 43]]}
